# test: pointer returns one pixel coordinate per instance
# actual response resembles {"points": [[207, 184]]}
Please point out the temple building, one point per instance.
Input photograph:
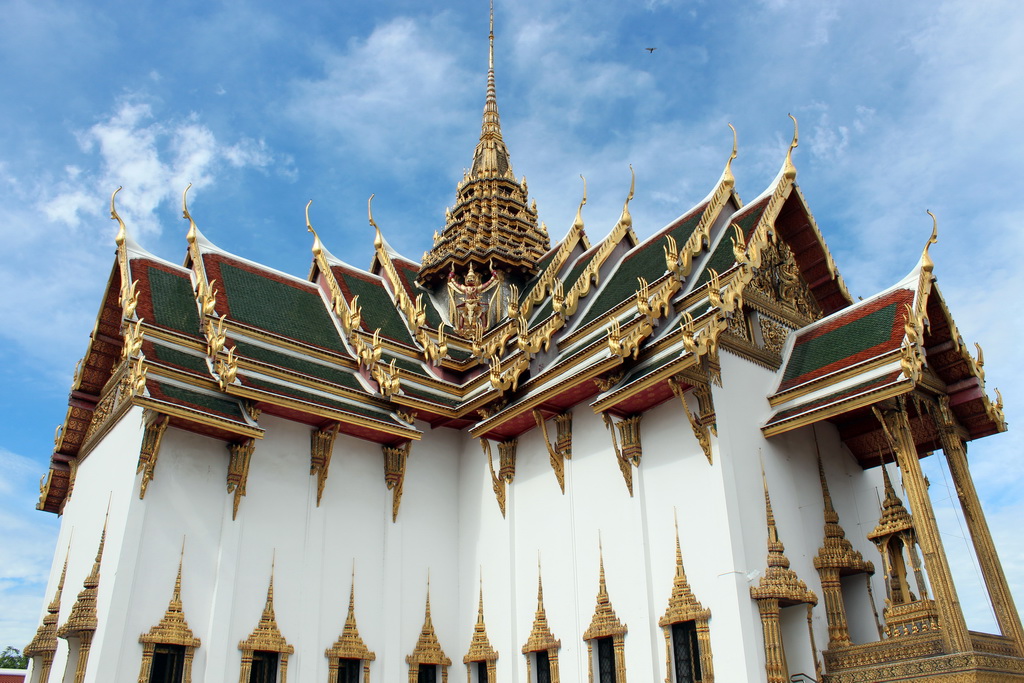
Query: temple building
{"points": [[592, 459]]}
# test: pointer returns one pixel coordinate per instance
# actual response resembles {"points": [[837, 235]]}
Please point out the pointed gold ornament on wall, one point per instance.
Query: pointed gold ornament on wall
{"points": [[320, 449], [266, 637], [428, 648], [150, 450], [44, 644], [480, 649], [173, 629], [605, 624], [541, 639], [350, 644], [683, 606]]}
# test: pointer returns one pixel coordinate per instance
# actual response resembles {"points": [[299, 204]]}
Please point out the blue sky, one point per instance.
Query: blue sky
{"points": [[903, 106]]}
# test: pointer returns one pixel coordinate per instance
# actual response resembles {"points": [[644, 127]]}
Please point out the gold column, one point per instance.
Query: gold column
{"points": [[835, 610], [85, 640], [896, 424], [774, 653], [991, 569]]}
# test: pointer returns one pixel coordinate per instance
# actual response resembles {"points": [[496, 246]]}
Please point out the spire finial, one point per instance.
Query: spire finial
{"points": [[192, 229], [490, 37], [578, 223], [122, 233], [929, 265], [790, 169]]}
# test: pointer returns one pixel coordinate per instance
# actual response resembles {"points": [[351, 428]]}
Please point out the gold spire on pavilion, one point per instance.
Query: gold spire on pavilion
{"points": [[779, 582], [173, 629], [480, 649], [45, 640], [541, 637], [492, 224], [83, 615], [894, 518], [349, 644], [836, 552]]}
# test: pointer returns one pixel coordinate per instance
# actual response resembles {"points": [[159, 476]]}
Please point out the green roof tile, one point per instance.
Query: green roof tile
{"points": [[646, 261], [179, 359], [378, 309], [841, 343], [335, 375], [174, 304], [222, 406], [283, 309]]}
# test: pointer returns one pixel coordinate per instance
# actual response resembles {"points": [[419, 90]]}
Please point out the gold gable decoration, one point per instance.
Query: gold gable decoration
{"points": [[684, 606], [541, 637], [44, 644], [349, 644], [605, 624], [266, 637], [82, 622], [172, 630], [428, 649], [480, 649]]}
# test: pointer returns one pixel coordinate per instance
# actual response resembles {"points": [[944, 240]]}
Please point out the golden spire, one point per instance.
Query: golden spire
{"points": [[480, 649], [578, 223], [193, 231], [83, 614], [428, 648], [682, 604], [836, 551], [491, 156], [727, 175], [350, 644], [173, 629], [493, 218], [604, 622], [894, 517], [122, 233], [779, 582], [45, 639], [541, 637]]}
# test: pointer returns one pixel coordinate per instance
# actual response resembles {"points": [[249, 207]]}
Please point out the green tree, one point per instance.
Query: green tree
{"points": [[11, 658]]}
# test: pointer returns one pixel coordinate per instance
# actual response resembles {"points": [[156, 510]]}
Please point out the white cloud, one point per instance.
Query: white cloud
{"points": [[153, 159]]}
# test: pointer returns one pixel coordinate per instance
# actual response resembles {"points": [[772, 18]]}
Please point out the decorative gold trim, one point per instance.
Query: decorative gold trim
{"points": [[700, 430], [415, 312], [173, 629], [395, 458], [836, 558], [779, 587], [349, 313], [82, 622], [606, 624], [266, 637], [563, 449], [684, 606], [321, 446], [349, 644], [428, 649], [238, 470], [44, 643], [150, 450], [506, 467], [629, 455], [480, 649]]}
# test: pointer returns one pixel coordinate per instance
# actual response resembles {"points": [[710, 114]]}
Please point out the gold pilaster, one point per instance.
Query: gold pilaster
{"points": [[896, 425], [991, 568]]}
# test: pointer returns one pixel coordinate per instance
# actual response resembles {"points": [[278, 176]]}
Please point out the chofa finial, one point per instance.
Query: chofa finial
{"points": [[122, 233], [926, 258], [578, 223], [192, 229]]}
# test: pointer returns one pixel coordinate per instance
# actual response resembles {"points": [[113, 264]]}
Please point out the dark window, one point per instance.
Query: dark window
{"points": [[428, 673], [543, 667], [686, 652], [349, 670], [168, 664], [481, 672], [264, 667], [605, 660]]}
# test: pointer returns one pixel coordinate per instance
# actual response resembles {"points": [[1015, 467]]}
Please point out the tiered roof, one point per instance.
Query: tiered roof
{"points": [[620, 325]]}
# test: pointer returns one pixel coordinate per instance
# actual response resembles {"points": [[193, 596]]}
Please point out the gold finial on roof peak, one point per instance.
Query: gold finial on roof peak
{"points": [[317, 245], [790, 169], [577, 224], [378, 240], [625, 219], [727, 174], [122, 233], [927, 263], [193, 231]]}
